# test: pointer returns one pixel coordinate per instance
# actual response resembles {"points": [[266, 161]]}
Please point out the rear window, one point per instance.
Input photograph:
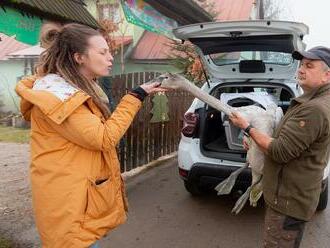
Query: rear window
{"points": [[278, 58]]}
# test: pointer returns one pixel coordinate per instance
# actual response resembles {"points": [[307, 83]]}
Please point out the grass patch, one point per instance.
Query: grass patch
{"points": [[16, 135]]}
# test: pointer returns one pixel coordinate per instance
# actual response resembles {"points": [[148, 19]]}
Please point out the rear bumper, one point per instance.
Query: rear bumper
{"points": [[209, 175]]}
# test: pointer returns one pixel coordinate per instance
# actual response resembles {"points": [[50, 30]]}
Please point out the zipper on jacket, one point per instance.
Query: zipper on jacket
{"points": [[279, 180], [288, 115]]}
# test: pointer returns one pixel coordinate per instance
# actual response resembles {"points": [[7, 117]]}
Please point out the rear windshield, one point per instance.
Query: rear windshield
{"points": [[278, 58]]}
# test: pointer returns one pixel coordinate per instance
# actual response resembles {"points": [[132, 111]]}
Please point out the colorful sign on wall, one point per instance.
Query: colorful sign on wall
{"points": [[25, 27], [142, 14]]}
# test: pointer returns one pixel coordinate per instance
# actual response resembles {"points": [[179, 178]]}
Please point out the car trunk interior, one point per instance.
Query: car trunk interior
{"points": [[213, 124]]}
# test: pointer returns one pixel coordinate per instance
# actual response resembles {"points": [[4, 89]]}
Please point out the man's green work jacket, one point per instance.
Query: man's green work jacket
{"points": [[298, 155]]}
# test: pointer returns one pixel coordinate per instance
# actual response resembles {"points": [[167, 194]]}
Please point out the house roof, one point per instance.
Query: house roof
{"points": [[234, 9], [33, 51], [59, 10], [8, 45], [125, 40], [152, 46]]}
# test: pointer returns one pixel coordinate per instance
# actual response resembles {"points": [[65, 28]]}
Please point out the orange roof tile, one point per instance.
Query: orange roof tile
{"points": [[152, 46], [125, 40], [8, 45], [33, 51]]}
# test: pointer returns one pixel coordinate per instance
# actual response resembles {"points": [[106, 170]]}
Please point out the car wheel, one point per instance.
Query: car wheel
{"points": [[323, 201], [193, 188]]}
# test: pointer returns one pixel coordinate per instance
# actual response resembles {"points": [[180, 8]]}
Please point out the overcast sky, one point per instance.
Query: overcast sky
{"points": [[314, 13]]}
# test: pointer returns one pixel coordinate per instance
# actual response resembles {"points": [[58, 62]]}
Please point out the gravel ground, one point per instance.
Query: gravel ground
{"points": [[16, 216], [159, 204]]}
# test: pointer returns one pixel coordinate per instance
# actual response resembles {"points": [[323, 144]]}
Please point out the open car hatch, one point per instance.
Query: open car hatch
{"points": [[258, 49]]}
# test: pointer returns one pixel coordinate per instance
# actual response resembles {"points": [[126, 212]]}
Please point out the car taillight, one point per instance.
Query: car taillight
{"points": [[183, 173], [190, 121]]}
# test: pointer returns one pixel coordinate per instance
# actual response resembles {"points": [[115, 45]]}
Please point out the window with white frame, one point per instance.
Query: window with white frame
{"points": [[110, 11]]}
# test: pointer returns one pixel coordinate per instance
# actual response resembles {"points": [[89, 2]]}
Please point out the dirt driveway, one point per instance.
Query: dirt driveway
{"points": [[162, 214], [16, 217]]}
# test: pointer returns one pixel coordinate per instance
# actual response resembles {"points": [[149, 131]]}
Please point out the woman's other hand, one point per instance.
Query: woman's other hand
{"points": [[151, 88], [246, 143]]}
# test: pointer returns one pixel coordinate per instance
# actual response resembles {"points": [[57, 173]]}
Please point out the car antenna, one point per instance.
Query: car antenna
{"points": [[205, 75]]}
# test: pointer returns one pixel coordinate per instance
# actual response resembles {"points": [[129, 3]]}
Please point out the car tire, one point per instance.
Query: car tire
{"points": [[193, 188], [323, 201]]}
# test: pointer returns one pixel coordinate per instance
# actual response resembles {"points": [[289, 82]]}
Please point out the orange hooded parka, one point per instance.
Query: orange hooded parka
{"points": [[77, 189]]}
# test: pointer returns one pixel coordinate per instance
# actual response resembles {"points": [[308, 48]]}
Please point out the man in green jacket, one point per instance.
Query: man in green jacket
{"points": [[297, 154]]}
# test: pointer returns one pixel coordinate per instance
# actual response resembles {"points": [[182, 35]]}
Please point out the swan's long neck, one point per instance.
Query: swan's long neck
{"points": [[205, 97]]}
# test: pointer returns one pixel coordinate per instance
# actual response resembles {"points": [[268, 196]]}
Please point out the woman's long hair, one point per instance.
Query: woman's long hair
{"points": [[61, 43]]}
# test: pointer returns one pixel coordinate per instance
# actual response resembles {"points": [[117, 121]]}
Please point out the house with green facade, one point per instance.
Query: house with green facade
{"points": [[131, 41], [20, 23], [140, 50]]}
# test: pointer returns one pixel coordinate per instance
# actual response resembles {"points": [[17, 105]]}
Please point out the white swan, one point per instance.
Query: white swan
{"points": [[263, 120]]}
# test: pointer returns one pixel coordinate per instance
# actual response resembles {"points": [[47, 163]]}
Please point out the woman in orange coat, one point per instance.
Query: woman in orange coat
{"points": [[77, 190]]}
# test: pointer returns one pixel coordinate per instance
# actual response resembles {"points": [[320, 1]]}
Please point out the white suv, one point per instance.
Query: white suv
{"points": [[245, 61]]}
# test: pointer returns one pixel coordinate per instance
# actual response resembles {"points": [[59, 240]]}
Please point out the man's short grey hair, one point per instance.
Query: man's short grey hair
{"points": [[325, 66]]}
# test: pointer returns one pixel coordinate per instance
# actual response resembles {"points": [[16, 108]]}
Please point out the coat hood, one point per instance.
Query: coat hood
{"points": [[55, 97]]}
